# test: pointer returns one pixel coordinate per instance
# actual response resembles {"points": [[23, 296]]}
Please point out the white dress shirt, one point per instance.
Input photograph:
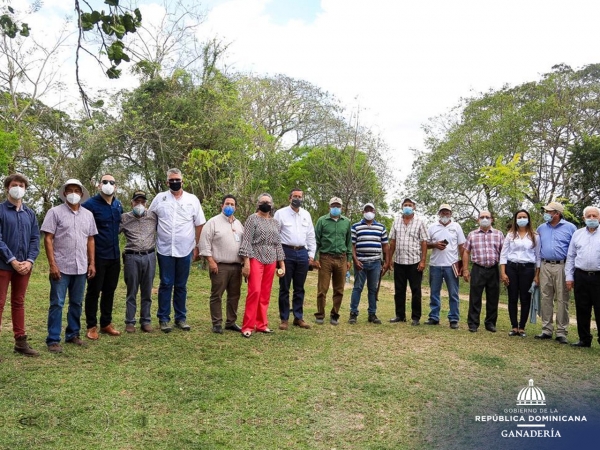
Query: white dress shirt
{"points": [[519, 249], [297, 229], [177, 222]]}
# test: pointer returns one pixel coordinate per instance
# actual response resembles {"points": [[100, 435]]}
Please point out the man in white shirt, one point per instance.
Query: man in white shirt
{"points": [[446, 238], [299, 245], [180, 221]]}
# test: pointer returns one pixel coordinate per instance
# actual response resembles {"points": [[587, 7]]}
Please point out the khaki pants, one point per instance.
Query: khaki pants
{"points": [[333, 268], [552, 284]]}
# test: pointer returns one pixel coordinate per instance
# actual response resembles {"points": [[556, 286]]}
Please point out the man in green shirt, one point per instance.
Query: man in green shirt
{"points": [[333, 258]]}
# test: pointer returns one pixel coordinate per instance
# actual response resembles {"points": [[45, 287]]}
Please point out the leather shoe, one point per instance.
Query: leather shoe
{"points": [[473, 329], [146, 328], [414, 323], [513, 333], [130, 328], [542, 336], [581, 344], [283, 325], [76, 341], [397, 320], [266, 331], [431, 322], [110, 330], [92, 333], [217, 329], [490, 328], [234, 327], [301, 323], [562, 340]]}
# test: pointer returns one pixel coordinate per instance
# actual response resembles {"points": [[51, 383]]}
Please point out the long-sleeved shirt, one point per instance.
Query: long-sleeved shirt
{"points": [[222, 239], [485, 246], [334, 236], [583, 253], [108, 220], [519, 249], [140, 232], [19, 235], [555, 240], [297, 229], [262, 240]]}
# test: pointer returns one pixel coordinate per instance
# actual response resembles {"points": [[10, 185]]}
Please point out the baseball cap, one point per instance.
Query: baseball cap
{"points": [[367, 205], [554, 206], [445, 206], [139, 194]]}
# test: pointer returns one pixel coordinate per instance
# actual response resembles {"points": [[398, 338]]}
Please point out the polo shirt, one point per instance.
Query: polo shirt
{"points": [[369, 240]]}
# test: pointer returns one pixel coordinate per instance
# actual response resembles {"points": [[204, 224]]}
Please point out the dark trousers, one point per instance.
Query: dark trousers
{"points": [[520, 277], [587, 296], [488, 280], [228, 279], [407, 274], [296, 269], [105, 281]]}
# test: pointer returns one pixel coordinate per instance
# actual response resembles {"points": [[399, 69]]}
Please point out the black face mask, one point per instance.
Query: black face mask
{"points": [[264, 207], [175, 185], [296, 203]]}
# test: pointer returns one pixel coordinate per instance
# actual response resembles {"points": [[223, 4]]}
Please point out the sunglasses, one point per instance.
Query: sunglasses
{"points": [[112, 182]]}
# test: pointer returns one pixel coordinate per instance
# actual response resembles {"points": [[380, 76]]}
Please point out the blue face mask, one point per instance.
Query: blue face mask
{"points": [[228, 210], [547, 217], [407, 210], [335, 212], [522, 222], [591, 223]]}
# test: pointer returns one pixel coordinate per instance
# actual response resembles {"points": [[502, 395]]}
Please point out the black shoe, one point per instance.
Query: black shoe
{"points": [[543, 336], [415, 323], [234, 327], [562, 340], [431, 322], [522, 333], [473, 329], [513, 333], [490, 328], [581, 344], [352, 318], [217, 329], [374, 319], [454, 325], [397, 319]]}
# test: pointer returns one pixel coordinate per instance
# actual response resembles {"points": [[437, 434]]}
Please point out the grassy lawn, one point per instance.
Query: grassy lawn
{"points": [[347, 387]]}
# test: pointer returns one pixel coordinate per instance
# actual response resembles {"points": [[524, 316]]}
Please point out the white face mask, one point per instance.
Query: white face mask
{"points": [[445, 220], [16, 192], [369, 215], [485, 222], [139, 210], [73, 199], [108, 189]]}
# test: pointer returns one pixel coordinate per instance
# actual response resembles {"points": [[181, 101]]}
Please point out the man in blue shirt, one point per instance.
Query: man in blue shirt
{"points": [[582, 272], [19, 247], [555, 236], [107, 212], [369, 240]]}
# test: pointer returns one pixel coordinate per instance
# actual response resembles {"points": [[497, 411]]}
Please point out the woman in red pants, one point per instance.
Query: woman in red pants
{"points": [[262, 251]]}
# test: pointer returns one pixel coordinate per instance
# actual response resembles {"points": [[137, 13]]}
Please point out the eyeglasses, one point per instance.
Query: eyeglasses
{"points": [[174, 180], [485, 217], [112, 182]]}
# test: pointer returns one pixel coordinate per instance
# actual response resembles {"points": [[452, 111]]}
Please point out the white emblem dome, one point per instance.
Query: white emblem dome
{"points": [[531, 395]]}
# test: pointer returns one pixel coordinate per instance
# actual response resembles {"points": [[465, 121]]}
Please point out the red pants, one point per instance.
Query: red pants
{"points": [[260, 283], [18, 287]]}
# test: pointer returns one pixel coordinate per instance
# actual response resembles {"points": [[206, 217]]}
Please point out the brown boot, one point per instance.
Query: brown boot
{"points": [[22, 347], [283, 325]]}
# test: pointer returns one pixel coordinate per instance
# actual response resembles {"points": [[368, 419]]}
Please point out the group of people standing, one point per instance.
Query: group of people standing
{"points": [[81, 238]]}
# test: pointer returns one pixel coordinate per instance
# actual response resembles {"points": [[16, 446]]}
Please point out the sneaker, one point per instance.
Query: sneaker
{"points": [[75, 340], [319, 321], [374, 319], [352, 318], [454, 325], [130, 328], [182, 325], [165, 327], [333, 321], [55, 348], [431, 322]]}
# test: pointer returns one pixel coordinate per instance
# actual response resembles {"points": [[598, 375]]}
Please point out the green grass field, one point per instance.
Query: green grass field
{"points": [[347, 387]]}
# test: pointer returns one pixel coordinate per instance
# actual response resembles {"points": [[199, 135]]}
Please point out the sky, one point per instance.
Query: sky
{"points": [[398, 63]]}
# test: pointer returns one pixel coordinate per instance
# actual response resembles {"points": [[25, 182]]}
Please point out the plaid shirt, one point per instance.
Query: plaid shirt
{"points": [[485, 246], [408, 240]]}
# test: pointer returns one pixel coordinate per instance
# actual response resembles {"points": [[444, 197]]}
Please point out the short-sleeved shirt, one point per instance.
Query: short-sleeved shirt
{"points": [[221, 239], [408, 239], [19, 235], [369, 240], [108, 219], [262, 240], [140, 232], [177, 222], [71, 230], [485, 246], [452, 233]]}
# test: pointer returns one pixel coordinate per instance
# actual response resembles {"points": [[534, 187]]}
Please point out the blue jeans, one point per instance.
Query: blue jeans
{"points": [[370, 273], [437, 274], [75, 286], [296, 269], [174, 273]]}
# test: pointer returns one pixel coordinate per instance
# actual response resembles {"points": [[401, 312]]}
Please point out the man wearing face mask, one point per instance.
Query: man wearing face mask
{"points": [[333, 258], [369, 243], [299, 246], [69, 232], [19, 247], [180, 221], [220, 243], [582, 271], [107, 210], [483, 246], [555, 236], [139, 260], [446, 238], [408, 245]]}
